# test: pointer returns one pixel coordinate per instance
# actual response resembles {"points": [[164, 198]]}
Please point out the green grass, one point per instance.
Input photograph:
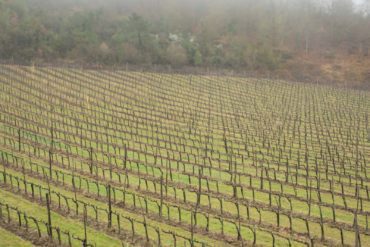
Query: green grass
{"points": [[67, 224], [9, 239]]}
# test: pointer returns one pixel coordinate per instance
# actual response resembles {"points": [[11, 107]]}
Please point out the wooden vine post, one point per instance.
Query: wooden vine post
{"points": [[50, 229], [91, 160], [109, 206], [50, 164], [19, 140], [161, 203], [84, 242]]}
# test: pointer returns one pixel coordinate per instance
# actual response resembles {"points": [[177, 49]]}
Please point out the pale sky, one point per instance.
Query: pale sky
{"points": [[358, 1]]}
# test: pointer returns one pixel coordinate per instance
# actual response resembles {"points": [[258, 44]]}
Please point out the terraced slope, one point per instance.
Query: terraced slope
{"points": [[134, 158], [10, 239]]}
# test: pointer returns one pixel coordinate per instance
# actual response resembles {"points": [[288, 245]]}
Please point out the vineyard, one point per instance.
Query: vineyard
{"points": [[123, 158]]}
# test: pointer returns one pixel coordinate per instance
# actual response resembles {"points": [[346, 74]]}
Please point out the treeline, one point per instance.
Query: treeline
{"points": [[247, 34]]}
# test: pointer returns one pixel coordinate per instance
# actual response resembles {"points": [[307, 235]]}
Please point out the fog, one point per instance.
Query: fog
{"points": [[291, 38]]}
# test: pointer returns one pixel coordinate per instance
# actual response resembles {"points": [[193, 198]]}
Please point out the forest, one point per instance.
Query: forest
{"points": [[298, 40]]}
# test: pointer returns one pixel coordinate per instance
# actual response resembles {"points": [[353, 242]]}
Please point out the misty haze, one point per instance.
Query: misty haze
{"points": [[200, 123]]}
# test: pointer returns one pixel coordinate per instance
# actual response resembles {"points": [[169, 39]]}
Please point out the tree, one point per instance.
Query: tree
{"points": [[197, 58], [341, 21], [138, 30], [176, 55]]}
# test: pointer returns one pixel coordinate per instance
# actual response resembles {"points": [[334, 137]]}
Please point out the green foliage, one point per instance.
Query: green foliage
{"points": [[197, 58], [266, 58], [209, 34], [176, 55]]}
